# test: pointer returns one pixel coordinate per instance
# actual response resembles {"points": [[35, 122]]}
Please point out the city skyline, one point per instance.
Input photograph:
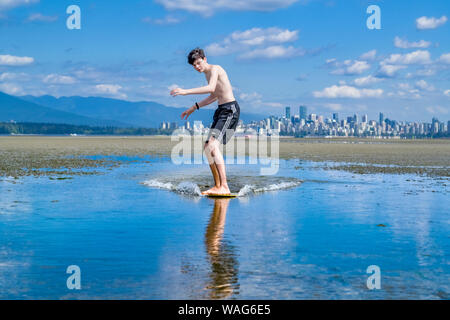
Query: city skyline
{"points": [[304, 125]]}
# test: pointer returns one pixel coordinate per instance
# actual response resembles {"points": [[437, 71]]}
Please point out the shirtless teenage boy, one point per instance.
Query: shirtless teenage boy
{"points": [[225, 118]]}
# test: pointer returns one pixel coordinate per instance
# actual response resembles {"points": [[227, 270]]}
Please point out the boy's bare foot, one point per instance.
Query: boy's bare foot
{"points": [[223, 190], [212, 190]]}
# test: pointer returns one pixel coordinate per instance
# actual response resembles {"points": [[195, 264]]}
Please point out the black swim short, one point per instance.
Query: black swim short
{"points": [[225, 121]]}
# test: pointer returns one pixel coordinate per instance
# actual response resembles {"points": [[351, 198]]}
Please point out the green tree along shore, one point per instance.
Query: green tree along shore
{"points": [[56, 128]]}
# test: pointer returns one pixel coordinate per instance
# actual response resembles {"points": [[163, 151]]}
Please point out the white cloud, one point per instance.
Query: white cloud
{"points": [[58, 79], [350, 67], [10, 88], [347, 92], [406, 91], [208, 8], [404, 44], [445, 58], [366, 81], [254, 37], [162, 21], [250, 96], [9, 4], [110, 89], [422, 84], [273, 52], [395, 62], [370, 55], [8, 60], [426, 72], [7, 76], [416, 57], [447, 93], [423, 23]]}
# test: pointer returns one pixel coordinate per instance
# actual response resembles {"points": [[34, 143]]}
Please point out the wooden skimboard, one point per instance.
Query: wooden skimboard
{"points": [[213, 195]]}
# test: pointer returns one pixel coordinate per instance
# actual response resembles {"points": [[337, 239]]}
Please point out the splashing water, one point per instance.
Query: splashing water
{"points": [[243, 186]]}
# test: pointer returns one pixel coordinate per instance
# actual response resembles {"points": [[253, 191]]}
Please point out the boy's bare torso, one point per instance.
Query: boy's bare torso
{"points": [[224, 90]]}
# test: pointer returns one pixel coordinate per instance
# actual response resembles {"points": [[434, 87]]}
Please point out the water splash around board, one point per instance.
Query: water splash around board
{"points": [[239, 185]]}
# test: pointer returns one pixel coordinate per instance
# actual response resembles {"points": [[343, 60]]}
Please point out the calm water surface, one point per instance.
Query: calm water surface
{"points": [[141, 231]]}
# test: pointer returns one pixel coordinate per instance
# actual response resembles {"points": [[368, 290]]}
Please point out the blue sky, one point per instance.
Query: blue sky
{"points": [[317, 53]]}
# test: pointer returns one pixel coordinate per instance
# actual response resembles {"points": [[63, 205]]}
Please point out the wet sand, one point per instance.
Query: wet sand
{"points": [[28, 155]]}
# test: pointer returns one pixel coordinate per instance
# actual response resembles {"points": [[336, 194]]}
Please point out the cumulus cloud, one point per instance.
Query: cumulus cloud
{"points": [[422, 84], [255, 37], [405, 91], [8, 60], [348, 67], [389, 71], [416, 57], [424, 23], [370, 55], [58, 79], [273, 52], [259, 43], [405, 44], [390, 66], [208, 8], [345, 91], [111, 90], [447, 93], [366, 81]]}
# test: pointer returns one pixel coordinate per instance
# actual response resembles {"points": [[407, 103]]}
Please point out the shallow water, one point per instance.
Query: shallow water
{"points": [[141, 231]]}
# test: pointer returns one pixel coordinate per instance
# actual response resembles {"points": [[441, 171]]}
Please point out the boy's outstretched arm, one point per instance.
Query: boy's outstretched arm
{"points": [[210, 99], [210, 88]]}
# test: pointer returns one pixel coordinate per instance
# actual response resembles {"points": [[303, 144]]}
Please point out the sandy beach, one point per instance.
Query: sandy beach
{"points": [[27, 155]]}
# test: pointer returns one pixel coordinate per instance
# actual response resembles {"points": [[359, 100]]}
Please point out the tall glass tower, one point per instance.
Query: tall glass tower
{"points": [[303, 112]]}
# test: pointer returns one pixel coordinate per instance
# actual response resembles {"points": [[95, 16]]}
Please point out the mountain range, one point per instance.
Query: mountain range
{"points": [[97, 111]]}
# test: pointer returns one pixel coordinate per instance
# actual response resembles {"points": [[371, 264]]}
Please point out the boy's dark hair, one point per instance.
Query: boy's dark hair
{"points": [[195, 54]]}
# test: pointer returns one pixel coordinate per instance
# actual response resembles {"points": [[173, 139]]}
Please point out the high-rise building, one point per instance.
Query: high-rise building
{"points": [[381, 118], [448, 126], [365, 118], [288, 112], [303, 112], [336, 117], [355, 118]]}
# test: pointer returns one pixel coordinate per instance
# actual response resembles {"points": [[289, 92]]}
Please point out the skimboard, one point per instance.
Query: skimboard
{"points": [[214, 195]]}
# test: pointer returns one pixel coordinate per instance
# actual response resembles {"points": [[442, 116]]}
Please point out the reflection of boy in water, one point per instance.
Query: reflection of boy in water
{"points": [[223, 261], [225, 119]]}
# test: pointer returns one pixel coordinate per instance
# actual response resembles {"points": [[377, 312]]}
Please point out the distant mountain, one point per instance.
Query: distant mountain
{"points": [[19, 110], [144, 114]]}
